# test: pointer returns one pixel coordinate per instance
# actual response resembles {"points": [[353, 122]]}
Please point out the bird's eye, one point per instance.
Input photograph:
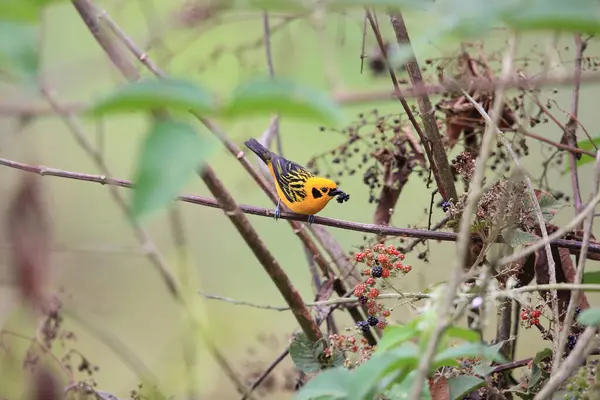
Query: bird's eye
{"points": [[324, 189]]}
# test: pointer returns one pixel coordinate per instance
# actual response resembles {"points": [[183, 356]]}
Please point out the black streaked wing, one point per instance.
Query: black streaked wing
{"points": [[291, 178]]}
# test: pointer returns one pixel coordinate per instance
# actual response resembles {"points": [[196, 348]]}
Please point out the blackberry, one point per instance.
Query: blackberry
{"points": [[445, 206], [363, 299], [572, 341], [363, 325], [577, 311], [372, 320], [377, 271]]}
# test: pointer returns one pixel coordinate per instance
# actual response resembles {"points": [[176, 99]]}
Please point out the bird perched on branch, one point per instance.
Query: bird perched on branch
{"points": [[299, 189]]}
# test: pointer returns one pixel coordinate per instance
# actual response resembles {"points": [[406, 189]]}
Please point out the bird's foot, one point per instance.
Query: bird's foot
{"points": [[277, 211], [311, 219]]}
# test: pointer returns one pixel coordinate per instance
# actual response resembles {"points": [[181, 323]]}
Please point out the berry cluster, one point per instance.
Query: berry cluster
{"points": [[360, 348], [531, 317], [383, 262]]}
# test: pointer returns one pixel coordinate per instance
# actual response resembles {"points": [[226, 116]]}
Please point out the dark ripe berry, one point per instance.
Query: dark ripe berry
{"points": [[373, 321], [577, 310], [364, 326], [363, 299], [377, 271], [571, 341]]}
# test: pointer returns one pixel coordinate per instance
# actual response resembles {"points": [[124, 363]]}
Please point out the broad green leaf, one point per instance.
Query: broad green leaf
{"points": [[516, 237], [549, 205], [462, 385], [536, 371], [554, 15], [305, 353], [331, 383], [589, 145], [463, 333], [401, 390], [366, 378], [280, 96], [19, 58], [151, 93], [590, 317], [591, 277], [483, 369], [24, 10], [395, 335], [448, 356], [171, 153]]}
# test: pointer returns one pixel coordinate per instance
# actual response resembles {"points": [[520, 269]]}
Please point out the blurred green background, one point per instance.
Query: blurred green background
{"points": [[107, 280]]}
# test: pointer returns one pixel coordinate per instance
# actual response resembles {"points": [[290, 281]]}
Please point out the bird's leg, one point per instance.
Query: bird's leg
{"points": [[311, 219], [278, 209]]}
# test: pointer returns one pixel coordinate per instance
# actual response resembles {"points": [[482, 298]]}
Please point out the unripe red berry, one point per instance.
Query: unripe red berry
{"points": [[381, 325], [370, 281], [385, 273], [386, 313], [373, 293]]}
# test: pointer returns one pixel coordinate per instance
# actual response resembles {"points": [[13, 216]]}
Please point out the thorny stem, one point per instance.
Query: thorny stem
{"points": [[464, 237], [589, 221], [422, 234]]}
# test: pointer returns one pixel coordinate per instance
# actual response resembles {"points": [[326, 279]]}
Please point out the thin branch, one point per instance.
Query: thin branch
{"points": [[570, 132], [464, 238], [573, 301], [518, 81], [423, 234], [414, 296]]}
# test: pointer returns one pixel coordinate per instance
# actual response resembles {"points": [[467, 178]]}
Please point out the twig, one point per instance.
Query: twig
{"points": [[415, 296], [480, 84], [421, 234], [570, 132], [271, 69], [585, 345], [589, 221], [464, 237]]}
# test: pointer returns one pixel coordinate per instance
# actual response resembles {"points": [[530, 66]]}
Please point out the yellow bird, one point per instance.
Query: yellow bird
{"points": [[298, 188]]}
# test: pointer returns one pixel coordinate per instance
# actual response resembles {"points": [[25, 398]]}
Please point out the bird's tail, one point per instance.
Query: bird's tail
{"points": [[261, 151]]}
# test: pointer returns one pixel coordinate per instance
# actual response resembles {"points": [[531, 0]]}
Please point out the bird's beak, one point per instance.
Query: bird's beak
{"points": [[335, 192]]}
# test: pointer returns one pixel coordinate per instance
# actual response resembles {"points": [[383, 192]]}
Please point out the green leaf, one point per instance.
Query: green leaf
{"points": [[516, 237], [463, 333], [448, 357], [590, 317], [483, 369], [395, 335], [549, 205], [554, 15], [591, 277], [589, 145], [24, 10], [279, 96], [172, 151], [148, 94], [366, 378], [305, 353], [19, 57], [401, 390], [536, 371], [462, 385], [332, 383]]}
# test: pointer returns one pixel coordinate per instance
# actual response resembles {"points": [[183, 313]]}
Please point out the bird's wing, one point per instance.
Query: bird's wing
{"points": [[291, 178]]}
